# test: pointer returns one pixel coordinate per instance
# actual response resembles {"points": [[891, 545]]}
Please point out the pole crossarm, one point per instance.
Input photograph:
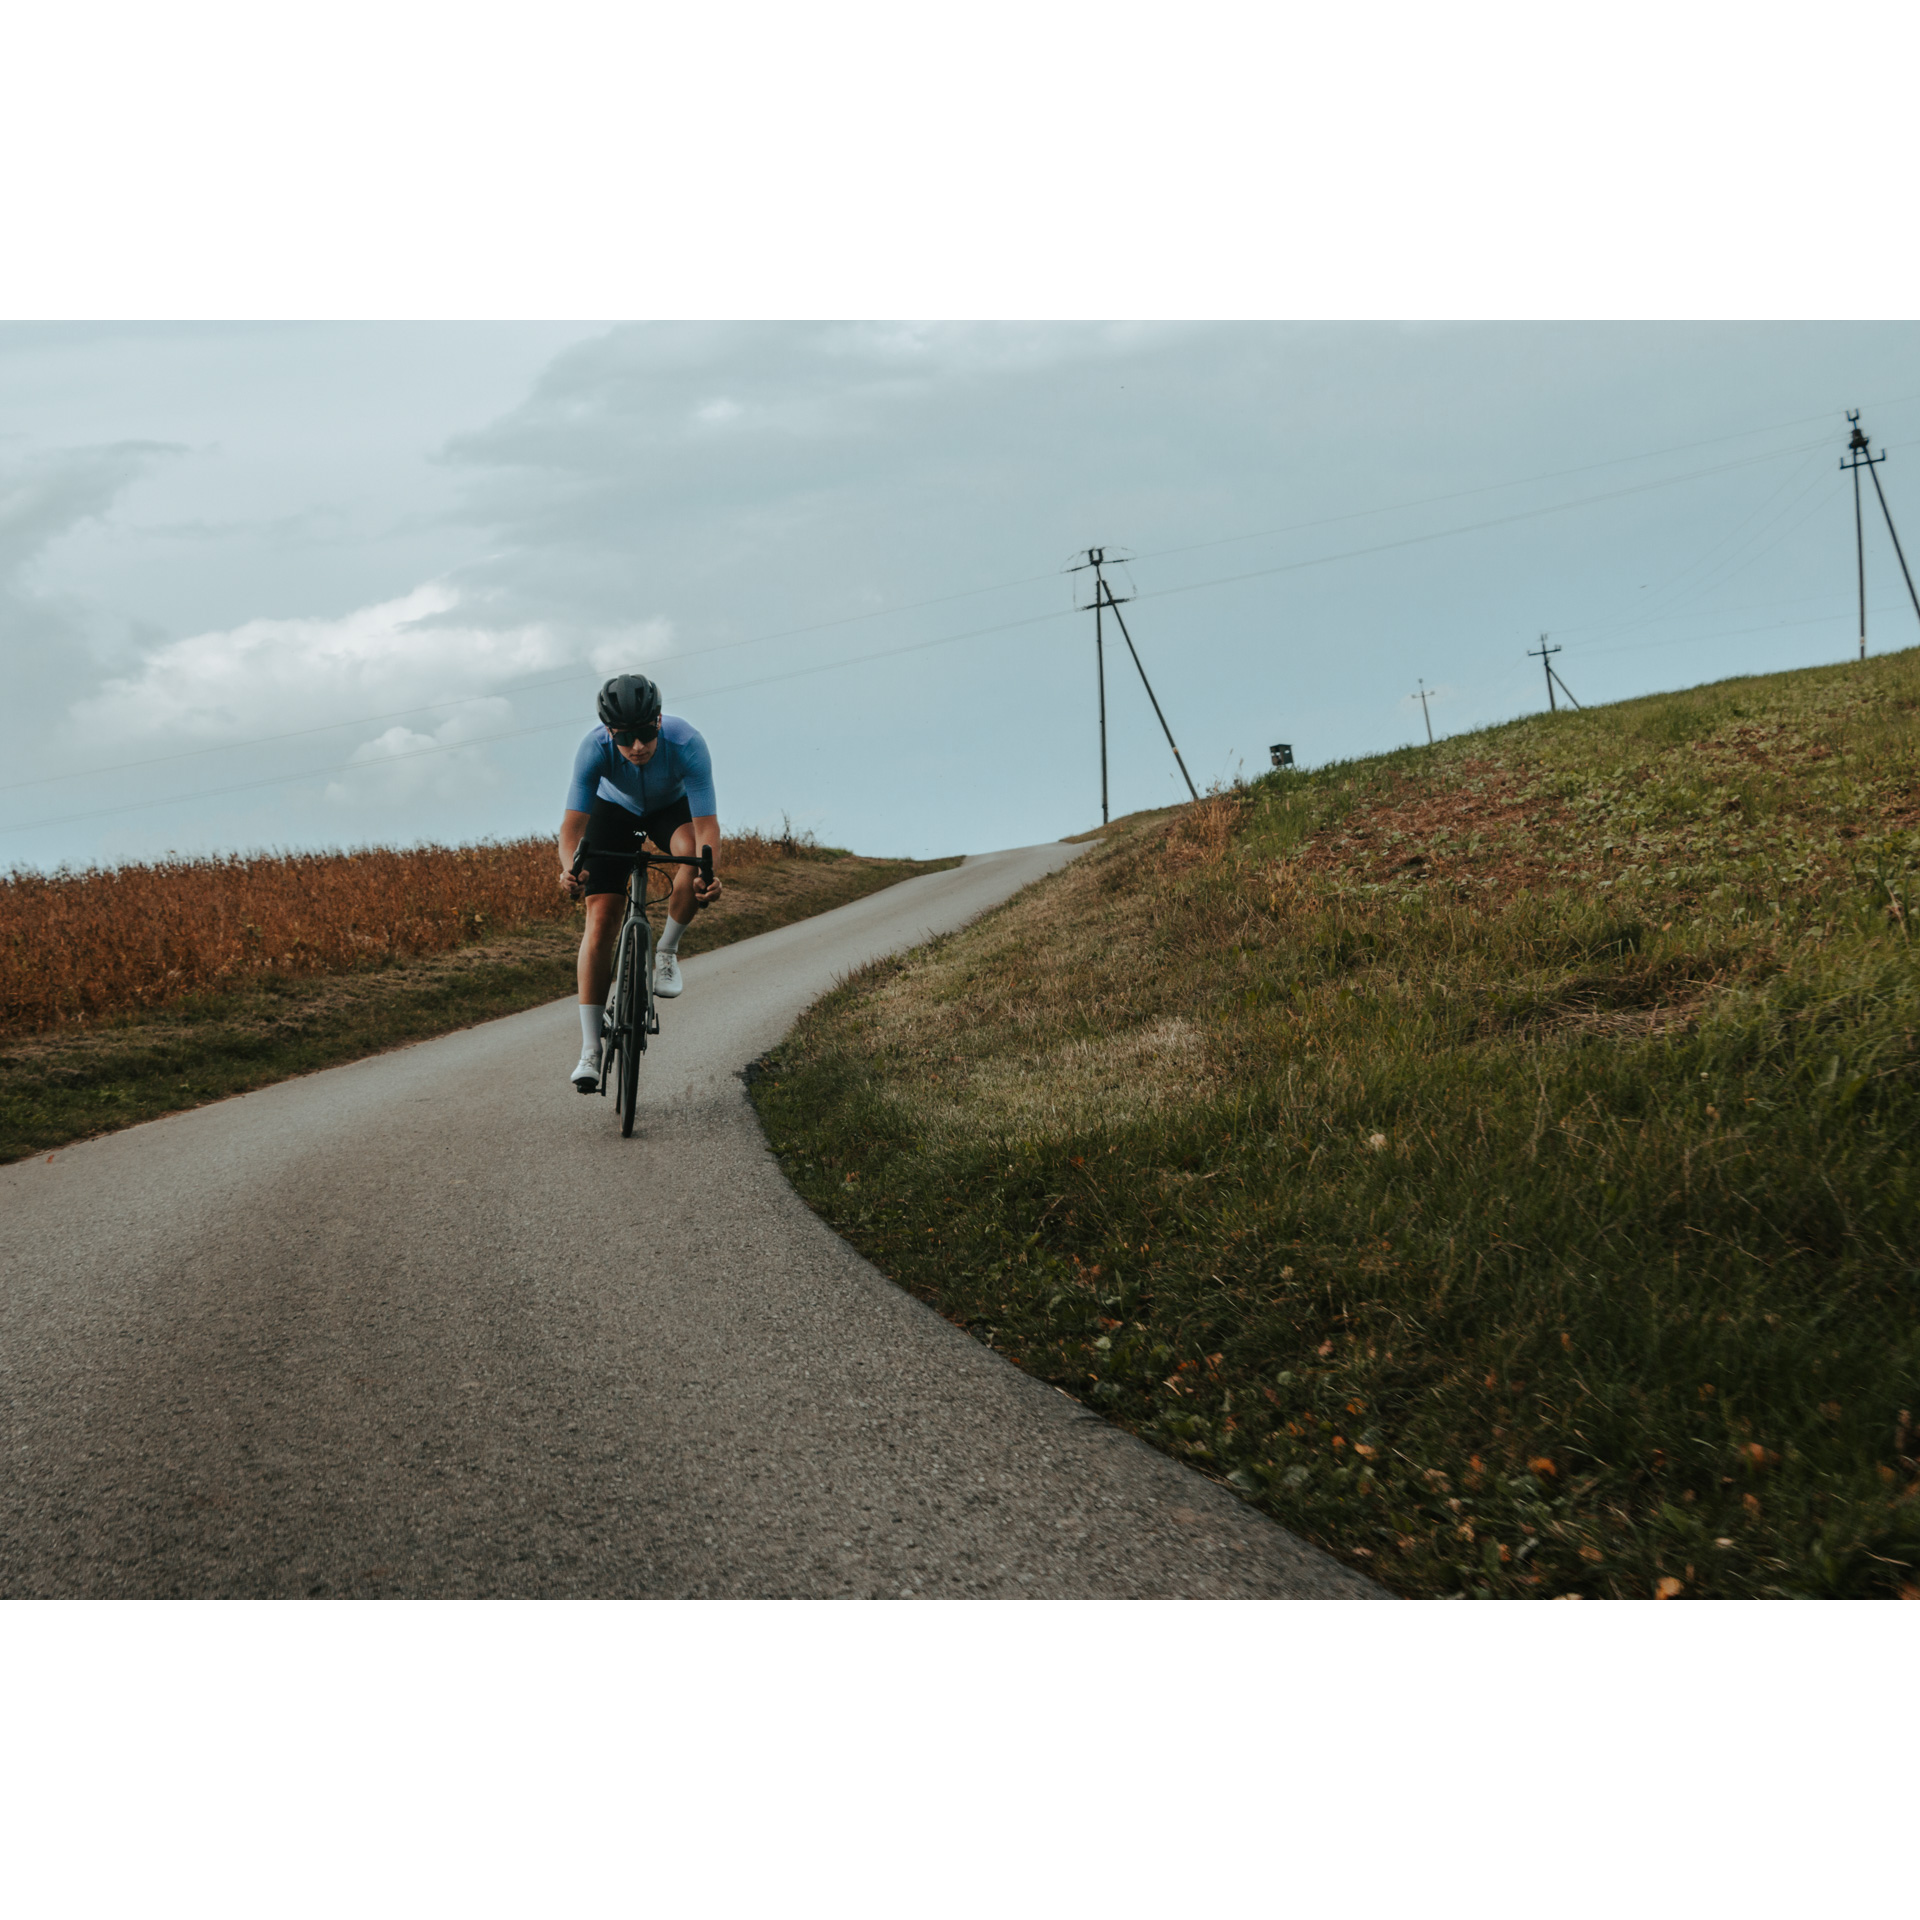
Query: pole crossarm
{"points": [[1544, 654]]}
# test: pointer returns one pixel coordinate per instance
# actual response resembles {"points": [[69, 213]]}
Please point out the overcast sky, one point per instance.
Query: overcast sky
{"points": [[284, 585]]}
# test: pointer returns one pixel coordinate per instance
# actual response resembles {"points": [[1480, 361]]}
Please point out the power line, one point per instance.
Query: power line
{"points": [[577, 677], [1732, 633], [1771, 603], [1410, 540], [1495, 486], [1725, 554], [521, 733], [1474, 526]]}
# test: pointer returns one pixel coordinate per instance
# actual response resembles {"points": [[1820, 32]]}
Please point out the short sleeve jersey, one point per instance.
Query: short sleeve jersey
{"points": [[680, 765]]}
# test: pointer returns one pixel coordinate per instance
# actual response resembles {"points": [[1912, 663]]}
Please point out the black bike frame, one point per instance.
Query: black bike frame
{"points": [[643, 1020]]}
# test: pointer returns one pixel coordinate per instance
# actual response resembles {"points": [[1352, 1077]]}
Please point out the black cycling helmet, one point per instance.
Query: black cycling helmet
{"points": [[630, 703]]}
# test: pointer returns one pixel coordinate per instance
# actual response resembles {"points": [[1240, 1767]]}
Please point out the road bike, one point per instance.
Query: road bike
{"points": [[631, 1015]]}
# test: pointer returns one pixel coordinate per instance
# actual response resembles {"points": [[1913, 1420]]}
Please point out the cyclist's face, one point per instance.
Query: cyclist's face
{"points": [[639, 754]]}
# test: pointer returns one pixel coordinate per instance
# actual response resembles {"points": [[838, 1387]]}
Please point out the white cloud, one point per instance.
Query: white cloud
{"points": [[403, 763], [623, 649], [271, 675]]}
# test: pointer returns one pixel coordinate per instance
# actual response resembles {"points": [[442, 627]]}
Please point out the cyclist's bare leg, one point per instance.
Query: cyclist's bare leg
{"points": [[605, 911], [684, 902], [680, 902]]}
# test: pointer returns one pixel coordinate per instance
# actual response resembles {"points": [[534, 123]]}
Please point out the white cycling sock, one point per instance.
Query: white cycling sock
{"points": [[670, 939], [590, 1023]]}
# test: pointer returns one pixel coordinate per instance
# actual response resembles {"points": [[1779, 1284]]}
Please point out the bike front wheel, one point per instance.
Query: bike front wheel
{"points": [[633, 982]]}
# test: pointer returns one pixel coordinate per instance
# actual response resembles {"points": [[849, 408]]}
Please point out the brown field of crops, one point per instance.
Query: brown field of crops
{"points": [[76, 948]]}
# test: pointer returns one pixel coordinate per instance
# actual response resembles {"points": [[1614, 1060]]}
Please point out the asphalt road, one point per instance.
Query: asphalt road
{"points": [[426, 1325]]}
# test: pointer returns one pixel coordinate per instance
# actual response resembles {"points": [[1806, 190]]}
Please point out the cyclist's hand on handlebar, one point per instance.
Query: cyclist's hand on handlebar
{"points": [[575, 883], [707, 891]]}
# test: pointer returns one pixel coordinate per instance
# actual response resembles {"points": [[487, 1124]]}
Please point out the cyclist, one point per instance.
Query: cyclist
{"points": [[638, 773]]}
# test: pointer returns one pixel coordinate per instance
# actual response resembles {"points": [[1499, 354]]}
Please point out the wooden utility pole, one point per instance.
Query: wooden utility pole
{"points": [[1105, 601], [1543, 653], [1096, 559], [1858, 457]]}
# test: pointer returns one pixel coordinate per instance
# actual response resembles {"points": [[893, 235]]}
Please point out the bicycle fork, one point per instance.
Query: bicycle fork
{"points": [[635, 929]]}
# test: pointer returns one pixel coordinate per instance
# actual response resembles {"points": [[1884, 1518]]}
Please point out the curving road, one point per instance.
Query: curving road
{"points": [[426, 1325]]}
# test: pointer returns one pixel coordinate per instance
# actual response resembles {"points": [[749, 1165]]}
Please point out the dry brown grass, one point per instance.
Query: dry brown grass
{"points": [[1200, 834], [79, 947]]}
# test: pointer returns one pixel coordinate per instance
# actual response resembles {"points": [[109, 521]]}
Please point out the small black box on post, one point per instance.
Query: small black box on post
{"points": [[1282, 754]]}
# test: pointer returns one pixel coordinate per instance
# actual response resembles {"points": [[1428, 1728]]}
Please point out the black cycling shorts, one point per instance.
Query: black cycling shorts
{"points": [[612, 829]]}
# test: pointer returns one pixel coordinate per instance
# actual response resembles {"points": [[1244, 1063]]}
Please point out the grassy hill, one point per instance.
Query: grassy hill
{"points": [[1497, 1161]]}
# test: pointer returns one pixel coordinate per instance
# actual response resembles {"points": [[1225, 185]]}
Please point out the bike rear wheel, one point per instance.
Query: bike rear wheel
{"points": [[634, 959]]}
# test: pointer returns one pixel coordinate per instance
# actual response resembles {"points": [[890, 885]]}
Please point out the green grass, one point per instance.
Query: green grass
{"points": [[1497, 1162], [65, 1086]]}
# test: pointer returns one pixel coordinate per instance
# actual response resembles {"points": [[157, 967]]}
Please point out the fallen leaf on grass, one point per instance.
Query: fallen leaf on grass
{"points": [[1544, 1468], [1667, 1589]]}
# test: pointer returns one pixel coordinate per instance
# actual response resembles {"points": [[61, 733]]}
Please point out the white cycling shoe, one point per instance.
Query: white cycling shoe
{"points": [[666, 976], [586, 1076]]}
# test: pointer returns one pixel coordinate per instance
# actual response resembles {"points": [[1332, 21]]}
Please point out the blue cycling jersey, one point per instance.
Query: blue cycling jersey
{"points": [[680, 764]]}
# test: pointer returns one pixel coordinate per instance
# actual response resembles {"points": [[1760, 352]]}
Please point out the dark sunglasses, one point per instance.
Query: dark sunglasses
{"points": [[622, 738]]}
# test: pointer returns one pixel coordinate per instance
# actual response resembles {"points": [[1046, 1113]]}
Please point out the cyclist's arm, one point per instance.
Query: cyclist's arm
{"points": [[573, 829], [706, 833]]}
